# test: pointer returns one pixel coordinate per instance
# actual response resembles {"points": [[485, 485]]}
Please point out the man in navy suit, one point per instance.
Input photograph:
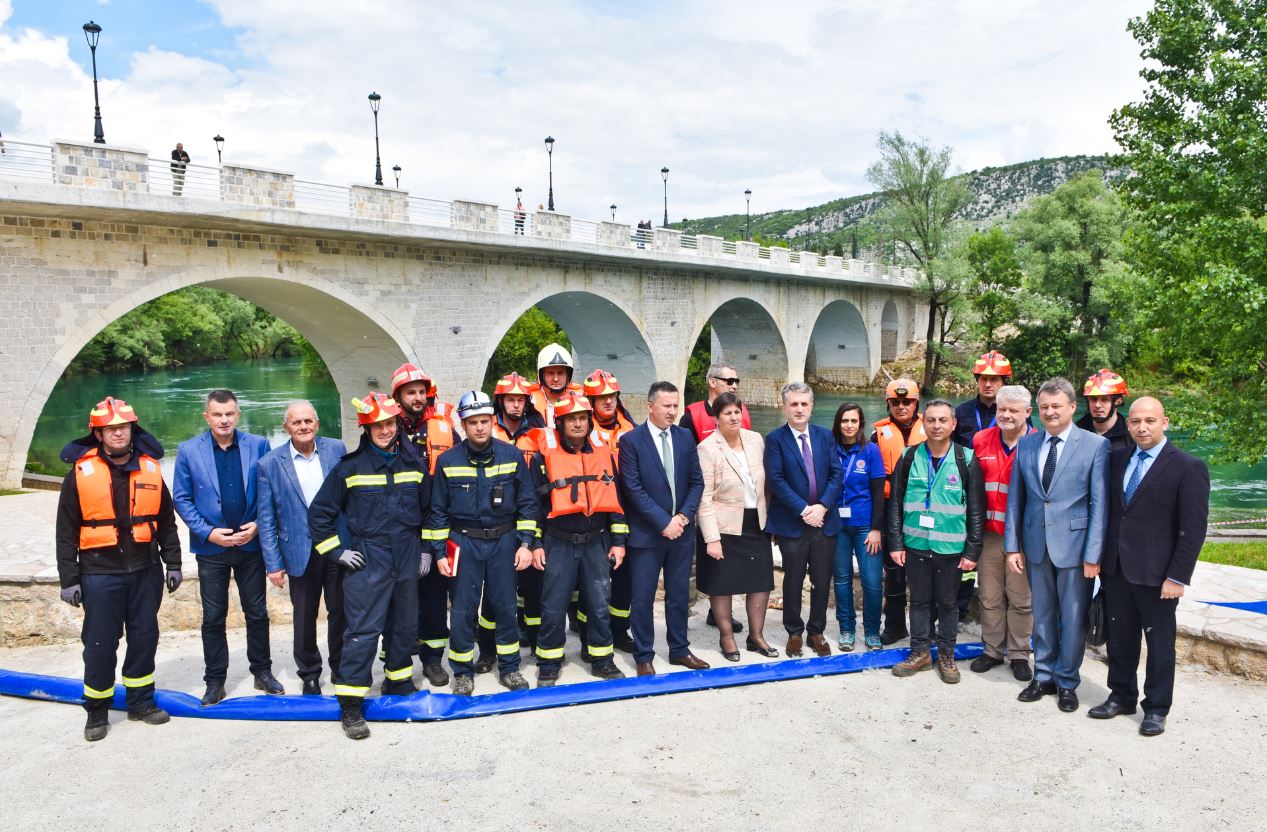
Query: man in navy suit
{"points": [[660, 488], [289, 477], [804, 475], [1159, 502], [213, 489], [1056, 515]]}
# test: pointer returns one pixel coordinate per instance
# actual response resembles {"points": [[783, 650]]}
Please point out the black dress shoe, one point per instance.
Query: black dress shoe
{"points": [[892, 636], [728, 655], [1152, 725], [735, 626], [983, 663], [1067, 700], [1021, 671], [312, 687], [623, 642], [1110, 708], [1036, 690], [767, 651], [268, 683], [214, 694]]}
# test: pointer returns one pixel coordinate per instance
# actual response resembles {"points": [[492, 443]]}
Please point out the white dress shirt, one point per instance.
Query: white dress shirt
{"points": [[308, 471], [1150, 456]]}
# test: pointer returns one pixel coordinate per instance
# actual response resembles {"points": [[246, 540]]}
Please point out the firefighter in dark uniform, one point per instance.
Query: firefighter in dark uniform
{"points": [[115, 524], [428, 424], [582, 537], [381, 491], [483, 512], [1105, 391]]}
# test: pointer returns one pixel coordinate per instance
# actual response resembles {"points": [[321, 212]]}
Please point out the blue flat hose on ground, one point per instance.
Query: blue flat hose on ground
{"points": [[428, 707], [1249, 606]]}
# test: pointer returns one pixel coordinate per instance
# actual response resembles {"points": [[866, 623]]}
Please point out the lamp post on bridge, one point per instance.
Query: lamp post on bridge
{"points": [[664, 174], [550, 166], [613, 207], [375, 98], [396, 170], [92, 32], [747, 195], [219, 140]]}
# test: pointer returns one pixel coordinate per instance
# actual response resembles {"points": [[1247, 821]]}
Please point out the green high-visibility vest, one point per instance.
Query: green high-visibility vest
{"points": [[947, 505]]}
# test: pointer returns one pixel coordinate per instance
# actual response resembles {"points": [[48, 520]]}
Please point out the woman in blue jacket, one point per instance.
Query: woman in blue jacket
{"points": [[861, 509]]}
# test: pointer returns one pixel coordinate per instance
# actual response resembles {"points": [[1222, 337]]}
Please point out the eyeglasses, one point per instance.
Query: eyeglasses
{"points": [[726, 380], [903, 402]]}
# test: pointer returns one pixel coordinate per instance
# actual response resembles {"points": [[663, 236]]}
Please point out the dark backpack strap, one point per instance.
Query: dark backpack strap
{"points": [[961, 462]]}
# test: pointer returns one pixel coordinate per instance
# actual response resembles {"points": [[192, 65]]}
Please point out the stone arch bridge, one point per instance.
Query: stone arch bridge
{"points": [[374, 277]]}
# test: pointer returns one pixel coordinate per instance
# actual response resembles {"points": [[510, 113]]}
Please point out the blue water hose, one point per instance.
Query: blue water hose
{"points": [[425, 706]]}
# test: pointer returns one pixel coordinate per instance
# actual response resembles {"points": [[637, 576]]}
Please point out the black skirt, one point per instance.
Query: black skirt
{"points": [[747, 563]]}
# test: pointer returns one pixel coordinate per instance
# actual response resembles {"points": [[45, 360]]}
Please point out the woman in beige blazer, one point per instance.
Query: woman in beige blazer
{"points": [[737, 559]]}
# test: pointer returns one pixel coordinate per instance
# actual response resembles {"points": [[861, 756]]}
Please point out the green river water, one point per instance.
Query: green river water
{"points": [[169, 403]]}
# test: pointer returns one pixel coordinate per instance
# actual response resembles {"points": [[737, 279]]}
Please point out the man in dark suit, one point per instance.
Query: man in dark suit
{"points": [[1159, 501], [660, 488], [213, 490], [1054, 533], [289, 477], [805, 476]]}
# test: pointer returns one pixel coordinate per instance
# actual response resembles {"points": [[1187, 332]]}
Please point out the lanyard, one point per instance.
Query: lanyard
{"points": [[976, 411], [846, 459], [934, 473]]}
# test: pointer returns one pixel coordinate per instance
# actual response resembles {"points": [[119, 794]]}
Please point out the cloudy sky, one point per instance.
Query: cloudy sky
{"points": [[783, 98]]}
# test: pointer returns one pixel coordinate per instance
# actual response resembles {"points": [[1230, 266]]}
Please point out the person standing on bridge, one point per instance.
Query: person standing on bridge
{"points": [[116, 530], [213, 489], [180, 158], [1105, 391]]}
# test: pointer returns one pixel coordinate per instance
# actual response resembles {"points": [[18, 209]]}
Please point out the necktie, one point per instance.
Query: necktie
{"points": [[666, 455], [809, 469], [1133, 482], [1049, 467]]}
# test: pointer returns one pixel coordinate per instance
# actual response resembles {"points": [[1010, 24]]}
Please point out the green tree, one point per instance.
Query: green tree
{"points": [[519, 346], [922, 204], [1197, 146], [697, 366], [996, 279]]}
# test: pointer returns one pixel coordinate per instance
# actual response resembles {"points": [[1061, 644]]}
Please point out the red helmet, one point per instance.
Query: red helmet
{"points": [[901, 388], [993, 364], [1104, 383], [600, 383], [512, 385], [110, 411], [375, 407], [407, 373], [572, 402]]}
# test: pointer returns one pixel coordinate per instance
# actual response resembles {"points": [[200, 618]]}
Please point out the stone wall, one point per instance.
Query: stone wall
{"points": [[614, 234], [375, 203], [101, 166], [551, 225], [257, 187], [708, 246], [474, 216]]}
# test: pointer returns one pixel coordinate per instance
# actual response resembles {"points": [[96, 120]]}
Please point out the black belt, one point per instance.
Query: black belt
{"points": [[573, 538], [486, 534]]}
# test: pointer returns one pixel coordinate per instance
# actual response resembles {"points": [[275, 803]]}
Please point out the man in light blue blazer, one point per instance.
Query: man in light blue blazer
{"points": [[289, 477], [1056, 516], [213, 490]]}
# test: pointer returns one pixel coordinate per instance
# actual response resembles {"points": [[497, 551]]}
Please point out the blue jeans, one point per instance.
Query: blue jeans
{"points": [[852, 541]]}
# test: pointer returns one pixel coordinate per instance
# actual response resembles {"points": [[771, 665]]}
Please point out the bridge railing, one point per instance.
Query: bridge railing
{"points": [[103, 166]]}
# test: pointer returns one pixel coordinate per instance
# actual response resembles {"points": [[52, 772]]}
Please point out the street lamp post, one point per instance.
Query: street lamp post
{"points": [[550, 165], [375, 98], [93, 32], [219, 140], [664, 174], [396, 170], [613, 206], [747, 195]]}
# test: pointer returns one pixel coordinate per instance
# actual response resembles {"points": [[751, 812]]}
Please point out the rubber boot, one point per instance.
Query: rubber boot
{"points": [[435, 673], [354, 726], [98, 724]]}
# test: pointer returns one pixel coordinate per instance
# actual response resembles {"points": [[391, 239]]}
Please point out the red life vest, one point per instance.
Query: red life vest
{"points": [[996, 466], [96, 500], [580, 483], [705, 425], [529, 441], [440, 432], [545, 405], [889, 437], [611, 436]]}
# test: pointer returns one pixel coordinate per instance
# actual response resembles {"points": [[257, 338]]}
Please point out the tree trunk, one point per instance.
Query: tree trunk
{"points": [[930, 371]]}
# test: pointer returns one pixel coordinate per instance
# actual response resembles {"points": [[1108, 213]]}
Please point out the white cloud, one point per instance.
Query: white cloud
{"points": [[784, 99]]}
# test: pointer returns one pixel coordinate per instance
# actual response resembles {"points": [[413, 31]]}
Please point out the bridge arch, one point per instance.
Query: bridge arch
{"points": [[747, 337], [839, 353]]}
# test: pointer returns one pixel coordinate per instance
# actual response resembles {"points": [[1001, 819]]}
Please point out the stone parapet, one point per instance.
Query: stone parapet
{"points": [[614, 234], [834, 264], [474, 216], [745, 250], [257, 187], [551, 225], [101, 166], [708, 245], [666, 239], [371, 202], [780, 257]]}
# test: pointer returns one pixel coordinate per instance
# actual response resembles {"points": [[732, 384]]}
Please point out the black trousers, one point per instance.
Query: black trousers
{"points": [[323, 576], [814, 552], [894, 589], [247, 570], [621, 601], [933, 579], [433, 616], [113, 604], [1133, 611]]}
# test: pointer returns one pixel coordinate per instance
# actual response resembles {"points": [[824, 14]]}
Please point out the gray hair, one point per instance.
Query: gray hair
{"points": [[939, 403], [1058, 385], [1013, 393], [795, 387], [715, 370], [298, 403]]}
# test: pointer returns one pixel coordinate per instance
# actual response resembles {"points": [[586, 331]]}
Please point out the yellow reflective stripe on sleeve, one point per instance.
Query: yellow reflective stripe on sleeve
{"points": [[504, 468], [435, 534], [434, 643], [408, 476], [327, 544], [138, 682], [365, 479], [581, 616], [486, 624], [507, 649], [549, 652], [576, 596], [526, 526], [620, 528], [531, 621], [468, 656], [401, 673], [599, 652], [618, 613], [452, 471], [968, 576], [93, 693], [351, 690]]}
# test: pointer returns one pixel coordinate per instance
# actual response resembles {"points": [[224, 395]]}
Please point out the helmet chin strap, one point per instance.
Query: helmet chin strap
{"points": [[120, 454]]}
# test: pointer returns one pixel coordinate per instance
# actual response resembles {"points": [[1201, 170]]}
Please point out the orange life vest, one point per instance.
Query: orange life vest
{"points": [[545, 405], [996, 466], [611, 436], [889, 437], [705, 425], [528, 441], [580, 483], [96, 500]]}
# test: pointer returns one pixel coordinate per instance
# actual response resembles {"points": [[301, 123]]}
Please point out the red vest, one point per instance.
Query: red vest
{"points": [[705, 425], [996, 466]]}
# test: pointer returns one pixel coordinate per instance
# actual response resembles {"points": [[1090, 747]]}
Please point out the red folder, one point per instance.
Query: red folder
{"points": [[452, 552]]}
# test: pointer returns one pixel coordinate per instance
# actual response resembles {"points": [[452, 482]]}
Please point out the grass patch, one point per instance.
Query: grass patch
{"points": [[1249, 555], [9, 492]]}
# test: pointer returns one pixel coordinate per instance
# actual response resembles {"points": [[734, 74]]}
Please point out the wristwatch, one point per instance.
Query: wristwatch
{"points": [[686, 521]]}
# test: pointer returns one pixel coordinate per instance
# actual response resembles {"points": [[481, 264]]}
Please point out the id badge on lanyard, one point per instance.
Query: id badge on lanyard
{"points": [[926, 520]]}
